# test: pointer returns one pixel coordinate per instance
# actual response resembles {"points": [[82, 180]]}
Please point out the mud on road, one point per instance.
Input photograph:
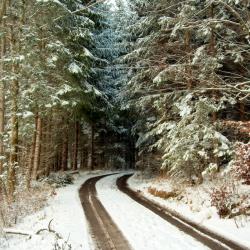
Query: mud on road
{"points": [[105, 233], [205, 236], [107, 236]]}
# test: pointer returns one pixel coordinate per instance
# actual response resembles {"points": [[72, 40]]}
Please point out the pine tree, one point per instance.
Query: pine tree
{"points": [[185, 54]]}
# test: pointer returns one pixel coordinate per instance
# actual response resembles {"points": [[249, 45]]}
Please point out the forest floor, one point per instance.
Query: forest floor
{"points": [[62, 223]]}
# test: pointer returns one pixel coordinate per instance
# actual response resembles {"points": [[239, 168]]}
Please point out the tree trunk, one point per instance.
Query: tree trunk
{"points": [[2, 98], [43, 154], [59, 163], [49, 149], [212, 50], [3, 9], [82, 159], [13, 160], [212, 42], [83, 153], [71, 153], [242, 111], [188, 67], [65, 151], [2, 90], [37, 152], [31, 156], [76, 147], [92, 149]]}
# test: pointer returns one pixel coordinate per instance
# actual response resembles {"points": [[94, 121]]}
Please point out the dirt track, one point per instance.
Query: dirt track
{"points": [[105, 233], [107, 236], [203, 235]]}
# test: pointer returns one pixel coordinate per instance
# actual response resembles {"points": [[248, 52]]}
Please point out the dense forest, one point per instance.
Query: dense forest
{"points": [[57, 91], [189, 77], [158, 86]]}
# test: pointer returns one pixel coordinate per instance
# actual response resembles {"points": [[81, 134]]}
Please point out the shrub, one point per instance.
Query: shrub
{"points": [[194, 145], [221, 198], [241, 167], [58, 179], [25, 203], [162, 194], [230, 201]]}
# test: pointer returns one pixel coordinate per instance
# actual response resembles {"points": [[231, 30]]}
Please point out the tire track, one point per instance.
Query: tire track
{"points": [[104, 231], [205, 236]]}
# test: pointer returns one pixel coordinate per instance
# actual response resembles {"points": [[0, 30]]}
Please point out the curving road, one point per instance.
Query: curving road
{"points": [[130, 209], [200, 233], [105, 233]]}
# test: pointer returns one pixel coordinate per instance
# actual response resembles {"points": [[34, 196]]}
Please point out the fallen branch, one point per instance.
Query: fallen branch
{"points": [[16, 232], [50, 230], [30, 234], [73, 172], [243, 211]]}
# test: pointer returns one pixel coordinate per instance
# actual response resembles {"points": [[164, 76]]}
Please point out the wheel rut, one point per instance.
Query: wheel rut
{"points": [[205, 236], [104, 231]]}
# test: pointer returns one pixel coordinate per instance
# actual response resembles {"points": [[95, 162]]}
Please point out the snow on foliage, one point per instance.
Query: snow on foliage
{"points": [[195, 143], [74, 68], [186, 62]]}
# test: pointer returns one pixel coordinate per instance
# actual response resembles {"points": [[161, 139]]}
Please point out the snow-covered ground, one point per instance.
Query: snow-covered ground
{"points": [[195, 205], [143, 229], [68, 220]]}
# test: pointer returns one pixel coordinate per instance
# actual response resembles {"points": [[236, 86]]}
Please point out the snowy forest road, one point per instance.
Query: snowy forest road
{"points": [[123, 219], [104, 231], [200, 233]]}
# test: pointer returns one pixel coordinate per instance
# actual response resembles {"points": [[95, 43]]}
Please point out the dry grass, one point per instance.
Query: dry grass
{"points": [[26, 203], [163, 194]]}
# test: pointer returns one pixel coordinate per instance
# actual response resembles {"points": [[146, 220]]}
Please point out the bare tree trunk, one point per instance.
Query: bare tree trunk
{"points": [[242, 111], [43, 154], [37, 152], [31, 156], [82, 159], [76, 147], [65, 151], [83, 152], [59, 162], [92, 151], [3, 9], [49, 149], [71, 154], [212, 50], [13, 160], [188, 67], [2, 98]]}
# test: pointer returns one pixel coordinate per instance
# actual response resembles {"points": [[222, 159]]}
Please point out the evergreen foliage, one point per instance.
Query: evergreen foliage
{"points": [[165, 82], [189, 74]]}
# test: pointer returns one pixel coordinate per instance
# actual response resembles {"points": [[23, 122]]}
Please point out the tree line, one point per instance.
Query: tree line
{"points": [[188, 83], [55, 110]]}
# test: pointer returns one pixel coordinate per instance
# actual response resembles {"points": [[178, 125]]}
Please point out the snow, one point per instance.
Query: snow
{"points": [[88, 53], [64, 90], [140, 224], [27, 114], [195, 206], [68, 220], [74, 68], [91, 88], [137, 223]]}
